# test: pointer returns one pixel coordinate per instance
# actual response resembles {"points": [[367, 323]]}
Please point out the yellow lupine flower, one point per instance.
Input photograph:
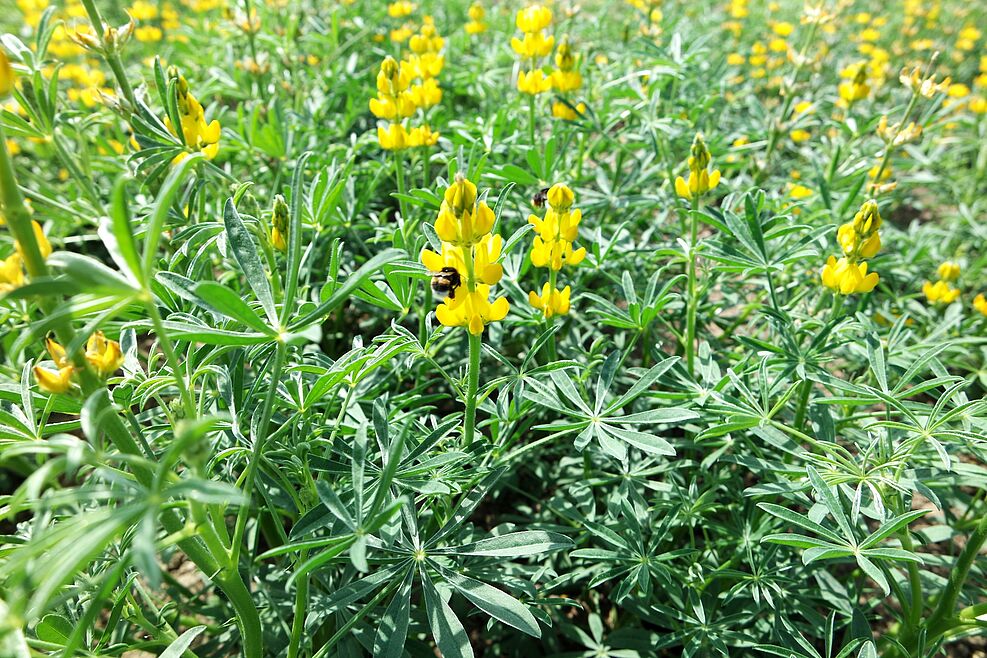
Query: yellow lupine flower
{"points": [[6, 75], [198, 135], [533, 45], [562, 111], [533, 82], [534, 18], [54, 381], [700, 180], [472, 309], [462, 221], [847, 278], [980, 303], [103, 354], [393, 137], [485, 266], [476, 14], [400, 9], [948, 271], [11, 273], [940, 292], [556, 232], [279, 224], [551, 302], [799, 135]]}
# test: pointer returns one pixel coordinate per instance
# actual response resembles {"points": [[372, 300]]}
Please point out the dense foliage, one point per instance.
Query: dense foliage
{"points": [[644, 328]]}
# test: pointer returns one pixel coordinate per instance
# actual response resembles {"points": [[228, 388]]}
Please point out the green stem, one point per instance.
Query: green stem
{"points": [[942, 618], [399, 175], [170, 355], [472, 384], [262, 432], [804, 391], [110, 53], [692, 302]]}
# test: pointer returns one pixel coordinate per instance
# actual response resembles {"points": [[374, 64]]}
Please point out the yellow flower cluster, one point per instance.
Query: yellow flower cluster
{"points": [[196, 133], [700, 180], [941, 292], [476, 24], [566, 79], [470, 249], [552, 248], [859, 239], [102, 354], [533, 21], [409, 86]]}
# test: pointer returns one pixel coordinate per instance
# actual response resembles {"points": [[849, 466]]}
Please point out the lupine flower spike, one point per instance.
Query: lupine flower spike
{"points": [[552, 248], [859, 239], [700, 180]]}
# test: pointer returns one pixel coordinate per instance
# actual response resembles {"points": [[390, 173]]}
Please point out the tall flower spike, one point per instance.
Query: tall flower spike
{"points": [[471, 252]]}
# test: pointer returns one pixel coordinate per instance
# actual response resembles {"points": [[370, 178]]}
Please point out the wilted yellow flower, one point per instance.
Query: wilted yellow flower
{"points": [[279, 224], [923, 85]]}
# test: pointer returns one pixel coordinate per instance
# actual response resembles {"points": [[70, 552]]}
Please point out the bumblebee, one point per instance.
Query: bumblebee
{"points": [[539, 199], [445, 282]]}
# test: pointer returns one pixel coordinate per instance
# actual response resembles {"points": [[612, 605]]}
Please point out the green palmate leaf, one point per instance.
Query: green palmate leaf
{"points": [[832, 502], [246, 252], [874, 572], [891, 527], [448, 631]]}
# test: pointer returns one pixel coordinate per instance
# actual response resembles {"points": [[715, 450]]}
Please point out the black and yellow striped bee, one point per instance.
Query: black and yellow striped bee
{"points": [[445, 282], [539, 199]]}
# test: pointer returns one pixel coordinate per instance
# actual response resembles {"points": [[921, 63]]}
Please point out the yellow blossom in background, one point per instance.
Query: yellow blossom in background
{"points": [[948, 271], [799, 135], [980, 303], [855, 88], [44, 246], [6, 75], [940, 292], [400, 9], [11, 273], [799, 192], [476, 15], [534, 18]]}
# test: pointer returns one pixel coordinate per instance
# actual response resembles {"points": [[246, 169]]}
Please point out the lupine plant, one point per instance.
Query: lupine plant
{"points": [[615, 328]]}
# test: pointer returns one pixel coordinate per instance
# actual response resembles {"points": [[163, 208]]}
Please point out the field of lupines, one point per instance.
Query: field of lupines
{"points": [[613, 328]]}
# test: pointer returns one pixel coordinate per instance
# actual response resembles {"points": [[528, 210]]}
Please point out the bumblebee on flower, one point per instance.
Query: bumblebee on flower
{"points": [[469, 248]]}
